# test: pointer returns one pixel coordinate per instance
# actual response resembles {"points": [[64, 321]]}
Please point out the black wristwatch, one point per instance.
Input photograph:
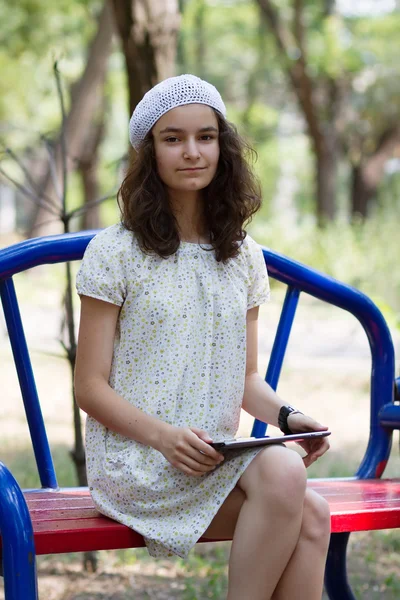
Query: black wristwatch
{"points": [[284, 412]]}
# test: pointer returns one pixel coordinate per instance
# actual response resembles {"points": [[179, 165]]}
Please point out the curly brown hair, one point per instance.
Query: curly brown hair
{"points": [[230, 199]]}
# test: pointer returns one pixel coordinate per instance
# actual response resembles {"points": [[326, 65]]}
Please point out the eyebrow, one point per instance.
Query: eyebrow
{"points": [[178, 130]]}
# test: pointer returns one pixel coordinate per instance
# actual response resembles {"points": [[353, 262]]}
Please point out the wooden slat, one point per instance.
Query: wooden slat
{"points": [[65, 513], [67, 521], [362, 505]]}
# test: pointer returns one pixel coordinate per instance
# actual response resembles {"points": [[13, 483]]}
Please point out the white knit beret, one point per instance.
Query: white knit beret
{"points": [[166, 95]]}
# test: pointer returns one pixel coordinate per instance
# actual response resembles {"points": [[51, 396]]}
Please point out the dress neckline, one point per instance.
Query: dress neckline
{"points": [[195, 244]]}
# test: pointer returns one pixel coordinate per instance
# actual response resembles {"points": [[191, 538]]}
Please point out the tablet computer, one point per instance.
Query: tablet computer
{"points": [[250, 442]]}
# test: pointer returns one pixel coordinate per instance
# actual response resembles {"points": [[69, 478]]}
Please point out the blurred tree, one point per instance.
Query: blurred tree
{"points": [[324, 56], [241, 61], [318, 94], [371, 131], [340, 69], [200, 41], [33, 36], [180, 49], [368, 171], [255, 72], [148, 31], [87, 167], [84, 101]]}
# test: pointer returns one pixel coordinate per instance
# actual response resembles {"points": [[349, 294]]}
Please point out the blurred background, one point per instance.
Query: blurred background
{"points": [[314, 86]]}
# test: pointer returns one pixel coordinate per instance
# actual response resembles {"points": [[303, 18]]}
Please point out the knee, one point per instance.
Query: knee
{"points": [[316, 523], [281, 479]]}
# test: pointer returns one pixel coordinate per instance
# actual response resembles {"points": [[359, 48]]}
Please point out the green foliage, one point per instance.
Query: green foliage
{"points": [[362, 255], [374, 37], [335, 464], [205, 573], [230, 34], [330, 50], [240, 58], [374, 95], [34, 24], [267, 170], [21, 462], [34, 34]]}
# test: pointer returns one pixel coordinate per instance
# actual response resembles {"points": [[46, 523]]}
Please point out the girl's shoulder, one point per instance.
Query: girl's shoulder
{"points": [[250, 248], [108, 265], [115, 240]]}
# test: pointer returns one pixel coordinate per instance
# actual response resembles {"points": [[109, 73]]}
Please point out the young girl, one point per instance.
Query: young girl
{"points": [[167, 357]]}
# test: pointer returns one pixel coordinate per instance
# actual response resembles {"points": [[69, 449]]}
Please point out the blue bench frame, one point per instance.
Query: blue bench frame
{"points": [[18, 552]]}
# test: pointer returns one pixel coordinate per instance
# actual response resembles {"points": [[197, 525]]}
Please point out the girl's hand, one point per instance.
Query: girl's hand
{"points": [[314, 448], [188, 449]]}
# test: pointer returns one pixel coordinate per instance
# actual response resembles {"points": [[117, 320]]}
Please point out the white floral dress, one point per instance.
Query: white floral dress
{"points": [[179, 355]]}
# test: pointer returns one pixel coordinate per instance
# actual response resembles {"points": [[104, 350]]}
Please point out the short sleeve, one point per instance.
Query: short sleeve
{"points": [[258, 283], [101, 274]]}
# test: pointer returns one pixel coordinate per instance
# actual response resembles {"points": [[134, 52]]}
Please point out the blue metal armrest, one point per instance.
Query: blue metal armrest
{"points": [[300, 278], [17, 545]]}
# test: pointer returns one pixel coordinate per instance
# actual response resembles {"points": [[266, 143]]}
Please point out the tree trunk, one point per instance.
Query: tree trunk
{"points": [[83, 102], [148, 31], [181, 45], [326, 161], [368, 174], [88, 169], [361, 193], [254, 73], [200, 42], [320, 115], [89, 177]]}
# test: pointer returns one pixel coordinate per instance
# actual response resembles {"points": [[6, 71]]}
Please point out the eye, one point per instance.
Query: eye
{"points": [[206, 137], [172, 139]]}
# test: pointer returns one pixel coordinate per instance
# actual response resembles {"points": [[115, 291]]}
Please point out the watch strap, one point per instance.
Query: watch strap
{"points": [[284, 412]]}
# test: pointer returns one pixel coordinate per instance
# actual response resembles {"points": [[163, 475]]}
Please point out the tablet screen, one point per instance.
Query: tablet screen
{"points": [[250, 442]]}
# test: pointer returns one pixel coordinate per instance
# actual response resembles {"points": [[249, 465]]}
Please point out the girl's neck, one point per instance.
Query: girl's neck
{"points": [[188, 212]]}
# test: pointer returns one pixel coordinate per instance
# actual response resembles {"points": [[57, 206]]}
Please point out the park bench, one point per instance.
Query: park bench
{"points": [[52, 520]]}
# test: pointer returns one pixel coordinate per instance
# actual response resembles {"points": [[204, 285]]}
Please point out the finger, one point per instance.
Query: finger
{"points": [[203, 435], [321, 450], [201, 457], [309, 459], [187, 470], [318, 445], [203, 446], [311, 446], [194, 465], [184, 469], [198, 447], [313, 455], [319, 427], [194, 459], [184, 449]]}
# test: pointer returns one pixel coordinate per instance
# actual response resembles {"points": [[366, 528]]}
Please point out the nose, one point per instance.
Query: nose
{"points": [[191, 149]]}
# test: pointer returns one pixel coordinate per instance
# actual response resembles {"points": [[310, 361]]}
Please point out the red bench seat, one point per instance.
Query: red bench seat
{"points": [[67, 521]]}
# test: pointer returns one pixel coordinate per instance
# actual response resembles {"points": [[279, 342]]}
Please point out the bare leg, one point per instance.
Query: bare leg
{"points": [[268, 524], [304, 575], [224, 523]]}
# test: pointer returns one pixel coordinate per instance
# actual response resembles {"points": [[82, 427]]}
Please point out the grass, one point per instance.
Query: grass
{"points": [[21, 462]]}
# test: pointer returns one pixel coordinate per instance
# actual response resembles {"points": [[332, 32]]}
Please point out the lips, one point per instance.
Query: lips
{"points": [[194, 169]]}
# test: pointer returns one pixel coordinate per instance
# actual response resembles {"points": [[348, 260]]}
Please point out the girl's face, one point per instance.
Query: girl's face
{"points": [[187, 147]]}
